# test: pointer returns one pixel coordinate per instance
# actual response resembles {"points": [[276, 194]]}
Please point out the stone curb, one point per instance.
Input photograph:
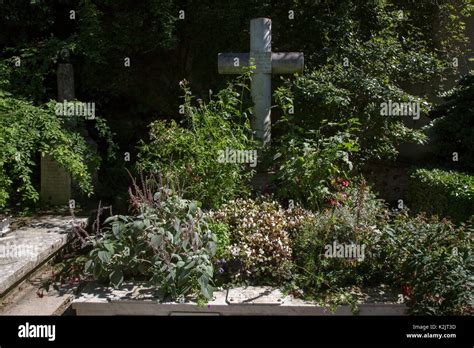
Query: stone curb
{"points": [[136, 300]]}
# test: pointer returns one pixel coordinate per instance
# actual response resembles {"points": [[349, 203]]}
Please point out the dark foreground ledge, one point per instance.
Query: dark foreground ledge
{"points": [[135, 299]]}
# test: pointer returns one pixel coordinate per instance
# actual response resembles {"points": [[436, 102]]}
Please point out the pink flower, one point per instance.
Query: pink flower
{"points": [[333, 202], [345, 183]]}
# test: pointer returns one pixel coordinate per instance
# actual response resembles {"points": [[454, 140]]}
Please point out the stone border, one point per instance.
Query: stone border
{"points": [[136, 300]]}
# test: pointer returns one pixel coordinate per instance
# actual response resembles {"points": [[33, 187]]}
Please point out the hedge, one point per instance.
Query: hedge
{"points": [[444, 193]]}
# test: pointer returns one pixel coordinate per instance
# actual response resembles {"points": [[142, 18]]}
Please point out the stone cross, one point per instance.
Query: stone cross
{"points": [[55, 180], [267, 63]]}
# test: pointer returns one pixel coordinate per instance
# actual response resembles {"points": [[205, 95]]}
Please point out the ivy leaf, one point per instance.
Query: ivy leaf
{"points": [[110, 247]]}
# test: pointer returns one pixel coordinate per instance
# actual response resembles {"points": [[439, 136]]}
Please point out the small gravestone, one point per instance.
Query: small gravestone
{"points": [[55, 180], [266, 63]]}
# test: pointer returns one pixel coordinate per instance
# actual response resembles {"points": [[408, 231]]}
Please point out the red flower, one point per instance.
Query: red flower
{"points": [[345, 183], [407, 290]]}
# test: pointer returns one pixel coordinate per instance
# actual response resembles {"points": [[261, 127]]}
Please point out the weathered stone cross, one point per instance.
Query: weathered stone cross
{"points": [[267, 63]]}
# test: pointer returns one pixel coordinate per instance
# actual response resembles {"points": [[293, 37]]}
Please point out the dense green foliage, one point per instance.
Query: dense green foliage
{"points": [[353, 84], [189, 153], [452, 130], [309, 169], [444, 193], [27, 131], [328, 124], [432, 260], [222, 232], [167, 242], [389, 44], [356, 222]]}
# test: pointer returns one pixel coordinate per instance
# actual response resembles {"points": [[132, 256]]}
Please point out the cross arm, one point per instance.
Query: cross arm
{"points": [[287, 62], [282, 63], [232, 63]]}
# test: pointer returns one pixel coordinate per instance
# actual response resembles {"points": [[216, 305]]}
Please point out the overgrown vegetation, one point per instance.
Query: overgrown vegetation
{"points": [[443, 193], [27, 131], [166, 242], [189, 153], [432, 261], [452, 130], [361, 54], [260, 239], [310, 171], [353, 222]]}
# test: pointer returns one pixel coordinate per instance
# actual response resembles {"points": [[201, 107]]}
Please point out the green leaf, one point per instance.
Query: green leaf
{"points": [[116, 278], [110, 219], [104, 256], [88, 265], [156, 241], [177, 225], [192, 208], [116, 229], [110, 247]]}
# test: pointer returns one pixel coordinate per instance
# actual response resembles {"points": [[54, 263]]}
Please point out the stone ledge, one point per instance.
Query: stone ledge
{"points": [[24, 299], [139, 300], [25, 249]]}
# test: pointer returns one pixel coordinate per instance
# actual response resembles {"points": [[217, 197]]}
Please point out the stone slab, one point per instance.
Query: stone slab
{"points": [[24, 249], [255, 295], [133, 299], [25, 298], [55, 182]]}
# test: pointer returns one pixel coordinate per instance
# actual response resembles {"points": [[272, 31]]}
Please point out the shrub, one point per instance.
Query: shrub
{"points": [[353, 82], [353, 221], [190, 153], [25, 131], [222, 232], [432, 261], [444, 193], [260, 239], [453, 127], [167, 243], [309, 169]]}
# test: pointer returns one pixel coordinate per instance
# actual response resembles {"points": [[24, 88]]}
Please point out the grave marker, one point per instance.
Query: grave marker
{"points": [[267, 63], [55, 180]]}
